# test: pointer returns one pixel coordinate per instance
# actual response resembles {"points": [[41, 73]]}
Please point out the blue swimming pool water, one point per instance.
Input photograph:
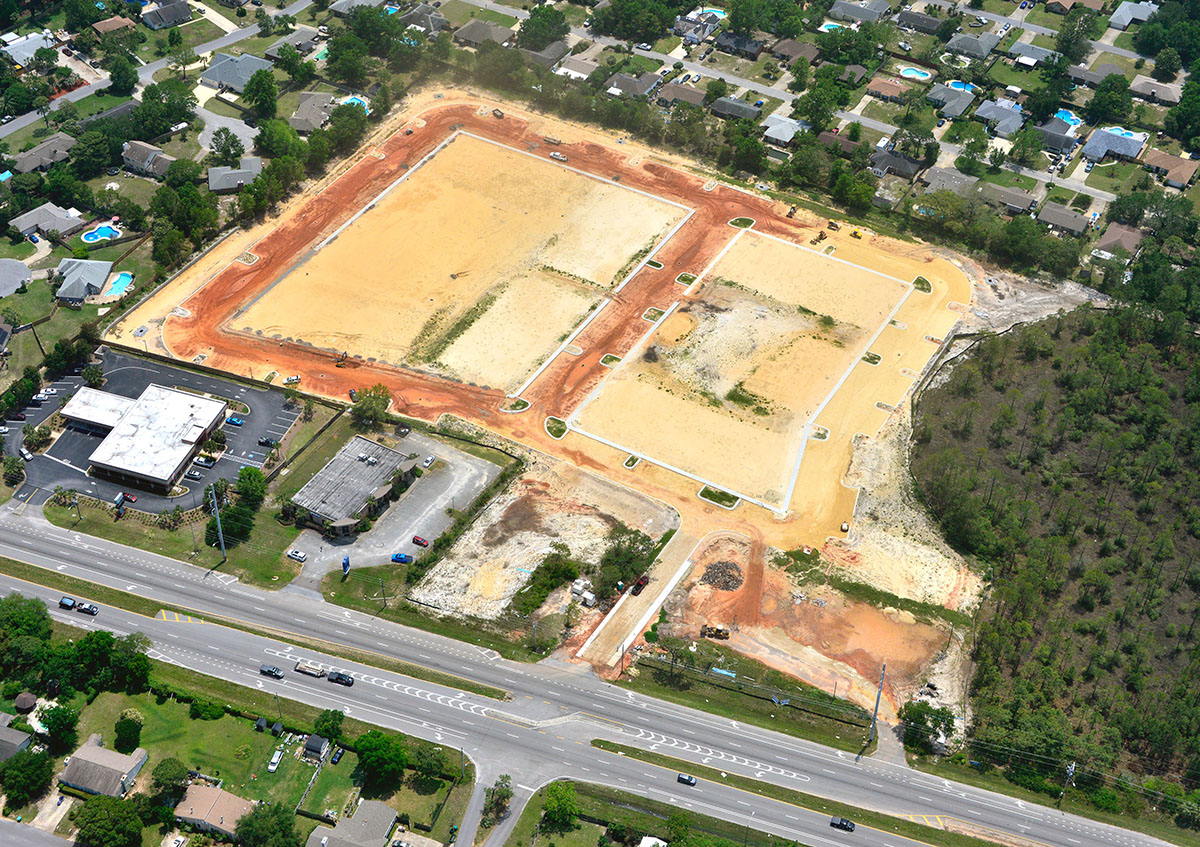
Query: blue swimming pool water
{"points": [[829, 26], [321, 55], [119, 283], [1120, 130], [962, 86], [914, 73], [718, 12], [101, 233], [391, 10], [359, 101], [1067, 116]]}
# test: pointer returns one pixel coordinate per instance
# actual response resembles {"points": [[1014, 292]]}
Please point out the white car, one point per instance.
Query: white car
{"points": [[275, 759], [179, 841], [50, 391], [297, 555], [429, 460], [3, 430]]}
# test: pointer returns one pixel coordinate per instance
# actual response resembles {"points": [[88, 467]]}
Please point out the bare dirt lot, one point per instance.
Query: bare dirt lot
{"points": [[476, 265], [552, 503]]}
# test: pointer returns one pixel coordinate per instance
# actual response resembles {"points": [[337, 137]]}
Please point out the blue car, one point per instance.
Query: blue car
{"points": [[234, 421], [401, 558]]}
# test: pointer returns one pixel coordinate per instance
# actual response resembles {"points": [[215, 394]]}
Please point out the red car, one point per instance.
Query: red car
{"points": [[641, 583], [129, 498], [419, 541]]}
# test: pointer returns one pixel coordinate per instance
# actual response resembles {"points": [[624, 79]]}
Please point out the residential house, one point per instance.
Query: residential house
{"points": [[884, 162], [47, 218], [12, 742], [94, 769], [739, 45], [369, 825], [732, 108], [1062, 7], [1058, 136], [211, 809], [920, 22], [303, 40], [315, 747], [345, 7], [672, 94], [222, 180], [841, 143], [948, 179], [624, 85], [1058, 216], [576, 68], [951, 102], [852, 75], [1002, 115], [871, 11], [114, 24], [1012, 200], [696, 26], [1094, 76], [167, 13], [118, 111], [1149, 88], [1120, 237], [548, 56], [788, 50], [887, 88], [973, 46], [81, 278], [1030, 55], [781, 131], [233, 72], [1177, 172], [146, 159], [1129, 13], [312, 112], [54, 149], [20, 51], [476, 32], [425, 18], [1119, 145]]}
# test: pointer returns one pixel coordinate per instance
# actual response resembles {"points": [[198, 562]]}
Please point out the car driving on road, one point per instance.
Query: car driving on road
{"points": [[87, 608], [271, 670], [687, 779], [340, 678]]}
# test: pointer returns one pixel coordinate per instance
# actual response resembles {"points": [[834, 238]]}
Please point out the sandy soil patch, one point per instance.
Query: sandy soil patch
{"points": [[554, 502], [409, 279]]}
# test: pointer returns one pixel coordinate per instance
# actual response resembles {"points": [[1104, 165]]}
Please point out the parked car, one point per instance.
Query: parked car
{"points": [[112, 171], [337, 756], [291, 380], [401, 558], [271, 670], [50, 392], [87, 608], [758, 104], [194, 475], [686, 779], [419, 541], [644, 46], [276, 757], [3, 430], [429, 460], [66, 603], [33, 239], [941, 121], [341, 678], [16, 416], [204, 461], [642, 582], [297, 555], [267, 442], [1088, 167], [353, 396], [131, 498], [842, 823], [26, 455], [234, 421]]}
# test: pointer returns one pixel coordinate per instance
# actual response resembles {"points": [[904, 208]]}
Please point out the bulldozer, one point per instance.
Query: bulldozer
{"points": [[835, 226], [856, 234], [718, 633], [820, 236]]}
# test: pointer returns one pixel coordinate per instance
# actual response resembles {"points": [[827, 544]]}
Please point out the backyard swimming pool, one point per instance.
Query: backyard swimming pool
{"points": [[962, 86], [830, 26], [321, 55], [914, 73], [718, 12], [118, 284], [104, 232], [358, 101], [1127, 133], [1067, 116]]}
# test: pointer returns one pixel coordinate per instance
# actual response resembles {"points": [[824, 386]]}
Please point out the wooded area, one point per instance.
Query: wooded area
{"points": [[1065, 456]]}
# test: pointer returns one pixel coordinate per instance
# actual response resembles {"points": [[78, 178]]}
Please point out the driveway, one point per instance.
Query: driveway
{"points": [[213, 122], [453, 482]]}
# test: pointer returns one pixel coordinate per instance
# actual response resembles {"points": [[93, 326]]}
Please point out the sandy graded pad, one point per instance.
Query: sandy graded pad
{"points": [[477, 229]]}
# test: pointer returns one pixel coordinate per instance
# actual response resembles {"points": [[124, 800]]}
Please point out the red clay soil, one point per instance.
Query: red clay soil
{"points": [[566, 382]]}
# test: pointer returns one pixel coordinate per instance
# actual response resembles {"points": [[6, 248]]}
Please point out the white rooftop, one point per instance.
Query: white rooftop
{"points": [[158, 433], [99, 408]]}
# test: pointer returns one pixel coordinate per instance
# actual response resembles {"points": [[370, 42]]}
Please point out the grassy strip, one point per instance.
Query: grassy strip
{"points": [[810, 802], [556, 427], [94, 592], [721, 498], [994, 781]]}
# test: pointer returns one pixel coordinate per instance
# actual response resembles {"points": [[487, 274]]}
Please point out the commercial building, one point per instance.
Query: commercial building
{"points": [[95, 769], [150, 440], [354, 483]]}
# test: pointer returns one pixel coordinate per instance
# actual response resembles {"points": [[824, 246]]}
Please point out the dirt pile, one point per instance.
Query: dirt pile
{"points": [[723, 575]]}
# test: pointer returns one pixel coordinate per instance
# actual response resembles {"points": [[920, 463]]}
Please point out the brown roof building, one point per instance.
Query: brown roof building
{"points": [[1120, 237], [671, 94], [211, 809], [113, 24], [886, 88], [1177, 172], [788, 50], [832, 139]]}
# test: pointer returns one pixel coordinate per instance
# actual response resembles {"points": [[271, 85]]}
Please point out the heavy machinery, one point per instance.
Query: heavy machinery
{"points": [[835, 226], [820, 236], [718, 633], [791, 212], [856, 234]]}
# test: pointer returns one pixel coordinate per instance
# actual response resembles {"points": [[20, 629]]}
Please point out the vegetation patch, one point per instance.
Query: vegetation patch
{"points": [[631, 461], [872, 358], [923, 285], [719, 497], [609, 360], [653, 315], [739, 396], [685, 279], [515, 404], [556, 427], [742, 223], [654, 265]]}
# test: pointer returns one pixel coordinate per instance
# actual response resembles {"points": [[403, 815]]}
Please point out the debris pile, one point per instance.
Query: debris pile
{"points": [[723, 575]]}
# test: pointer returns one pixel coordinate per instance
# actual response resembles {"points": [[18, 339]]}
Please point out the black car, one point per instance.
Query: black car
{"points": [[271, 670], [641, 583], [341, 678], [87, 609], [66, 603], [353, 396], [842, 823], [267, 442], [337, 756], [687, 779]]}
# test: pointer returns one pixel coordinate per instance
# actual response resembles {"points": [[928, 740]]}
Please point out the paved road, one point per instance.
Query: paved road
{"points": [[1018, 20], [21, 835], [556, 709]]}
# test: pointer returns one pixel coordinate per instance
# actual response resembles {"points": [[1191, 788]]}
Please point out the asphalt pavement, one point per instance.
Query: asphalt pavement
{"points": [[544, 731]]}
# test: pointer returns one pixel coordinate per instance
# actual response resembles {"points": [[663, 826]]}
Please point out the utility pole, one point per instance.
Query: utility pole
{"points": [[220, 532], [75, 503], [1069, 778], [878, 694], [278, 708]]}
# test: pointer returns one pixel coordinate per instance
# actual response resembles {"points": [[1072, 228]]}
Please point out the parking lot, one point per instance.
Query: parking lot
{"points": [[65, 463]]}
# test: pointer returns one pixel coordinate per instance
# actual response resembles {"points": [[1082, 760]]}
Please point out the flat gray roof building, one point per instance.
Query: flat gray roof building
{"points": [[81, 278], [341, 489]]}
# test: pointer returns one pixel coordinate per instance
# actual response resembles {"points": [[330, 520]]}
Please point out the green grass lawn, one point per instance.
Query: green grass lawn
{"points": [[28, 136], [1043, 40], [218, 106], [1125, 63], [97, 103], [573, 12], [64, 324], [1058, 194], [35, 303], [667, 44], [458, 13], [1010, 179], [332, 789], [22, 249], [1009, 40], [140, 189], [1113, 176], [199, 31], [1038, 15], [925, 117], [183, 145], [1125, 39], [1006, 74]]}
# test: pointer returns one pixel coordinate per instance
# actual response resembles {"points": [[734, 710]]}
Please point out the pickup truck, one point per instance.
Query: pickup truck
{"points": [[558, 157]]}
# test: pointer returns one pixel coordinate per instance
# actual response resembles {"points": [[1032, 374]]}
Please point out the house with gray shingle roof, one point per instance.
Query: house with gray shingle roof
{"points": [[1093, 76], [81, 278], [948, 179], [1030, 55], [167, 13], [303, 40], [233, 72], [12, 742], [919, 21], [20, 51], [1120, 145], [973, 46], [619, 85], [673, 93], [1013, 200], [869, 12], [1058, 136], [951, 102], [781, 131], [144, 158], [475, 32], [425, 18], [1129, 13], [222, 179], [345, 7], [47, 218], [1058, 216], [1149, 88], [54, 149], [1002, 115], [732, 108], [97, 770], [312, 112]]}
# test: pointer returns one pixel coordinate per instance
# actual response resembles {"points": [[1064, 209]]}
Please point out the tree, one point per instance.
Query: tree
{"points": [[60, 723], [1112, 100], [745, 16], [370, 409], [179, 58], [128, 731], [14, 470], [561, 806], [430, 761], [251, 487], [817, 105], [381, 758], [170, 777], [174, 37], [25, 777], [262, 93], [91, 154], [122, 77], [183, 172], [1025, 145], [1075, 34], [109, 822], [715, 90], [1167, 64], [266, 825], [347, 59], [543, 27], [497, 799], [227, 148], [329, 724]]}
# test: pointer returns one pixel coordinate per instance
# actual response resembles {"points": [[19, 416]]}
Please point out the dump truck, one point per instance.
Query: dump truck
{"points": [[550, 139], [497, 113]]}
